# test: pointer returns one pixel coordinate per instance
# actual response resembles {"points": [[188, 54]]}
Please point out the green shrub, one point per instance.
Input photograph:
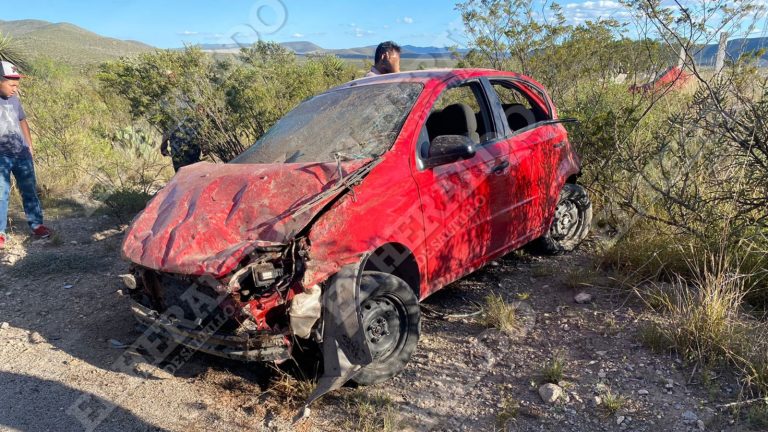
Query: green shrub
{"points": [[124, 203]]}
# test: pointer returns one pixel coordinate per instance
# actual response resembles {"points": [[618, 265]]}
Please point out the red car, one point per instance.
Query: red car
{"points": [[355, 206]]}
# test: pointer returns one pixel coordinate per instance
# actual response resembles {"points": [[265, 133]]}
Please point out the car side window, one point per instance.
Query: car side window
{"points": [[461, 110], [519, 110]]}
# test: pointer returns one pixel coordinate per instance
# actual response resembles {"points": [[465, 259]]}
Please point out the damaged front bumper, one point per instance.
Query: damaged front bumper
{"points": [[247, 346]]}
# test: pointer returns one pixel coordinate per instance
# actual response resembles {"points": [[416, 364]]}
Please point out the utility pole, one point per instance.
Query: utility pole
{"points": [[720, 60], [681, 58]]}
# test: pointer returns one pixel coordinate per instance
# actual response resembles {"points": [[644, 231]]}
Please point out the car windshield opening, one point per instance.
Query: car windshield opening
{"points": [[351, 123]]}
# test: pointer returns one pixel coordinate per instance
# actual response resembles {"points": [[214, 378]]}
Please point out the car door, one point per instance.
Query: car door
{"points": [[534, 144], [460, 200]]}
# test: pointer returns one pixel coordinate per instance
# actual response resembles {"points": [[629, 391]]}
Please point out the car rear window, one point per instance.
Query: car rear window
{"points": [[351, 123]]}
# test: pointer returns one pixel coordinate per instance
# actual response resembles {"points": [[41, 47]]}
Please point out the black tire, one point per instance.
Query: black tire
{"points": [[392, 324], [570, 225]]}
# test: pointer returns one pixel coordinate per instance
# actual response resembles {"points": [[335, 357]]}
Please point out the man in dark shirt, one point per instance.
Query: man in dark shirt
{"points": [[16, 155], [387, 59], [184, 144]]}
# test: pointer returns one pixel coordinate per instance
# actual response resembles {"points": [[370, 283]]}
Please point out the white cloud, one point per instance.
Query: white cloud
{"points": [[595, 5], [297, 35], [188, 33], [360, 32], [408, 20], [578, 13]]}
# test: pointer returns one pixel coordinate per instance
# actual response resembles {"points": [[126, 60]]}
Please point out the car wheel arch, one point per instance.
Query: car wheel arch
{"points": [[398, 260]]}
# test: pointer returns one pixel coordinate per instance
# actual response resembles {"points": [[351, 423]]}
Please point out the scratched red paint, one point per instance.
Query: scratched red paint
{"points": [[210, 215]]}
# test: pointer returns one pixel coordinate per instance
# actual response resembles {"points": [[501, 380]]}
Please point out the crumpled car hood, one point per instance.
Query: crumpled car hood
{"points": [[210, 216]]}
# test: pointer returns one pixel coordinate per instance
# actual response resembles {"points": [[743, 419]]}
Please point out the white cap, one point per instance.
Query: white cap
{"points": [[9, 70]]}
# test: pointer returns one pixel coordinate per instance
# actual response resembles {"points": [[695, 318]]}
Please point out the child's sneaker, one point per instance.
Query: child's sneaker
{"points": [[41, 231], [2, 241]]}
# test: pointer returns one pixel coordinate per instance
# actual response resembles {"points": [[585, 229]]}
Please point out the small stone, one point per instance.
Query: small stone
{"points": [[642, 392], [700, 425], [68, 286], [620, 420], [36, 338], [550, 393], [601, 374], [689, 417], [74, 242], [582, 298], [597, 400], [4, 325], [494, 264]]}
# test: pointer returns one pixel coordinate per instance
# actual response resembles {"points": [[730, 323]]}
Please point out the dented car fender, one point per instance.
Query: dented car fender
{"points": [[344, 347], [345, 233]]}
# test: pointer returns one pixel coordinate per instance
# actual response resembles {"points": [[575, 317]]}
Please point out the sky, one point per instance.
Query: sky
{"points": [[334, 24]]}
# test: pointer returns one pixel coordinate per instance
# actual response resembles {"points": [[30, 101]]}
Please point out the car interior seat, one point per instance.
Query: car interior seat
{"points": [[518, 116], [455, 119]]}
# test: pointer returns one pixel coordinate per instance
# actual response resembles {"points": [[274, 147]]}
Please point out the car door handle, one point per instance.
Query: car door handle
{"points": [[498, 169], [561, 144]]}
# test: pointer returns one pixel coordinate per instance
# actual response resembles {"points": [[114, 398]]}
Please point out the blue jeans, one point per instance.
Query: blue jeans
{"points": [[24, 171]]}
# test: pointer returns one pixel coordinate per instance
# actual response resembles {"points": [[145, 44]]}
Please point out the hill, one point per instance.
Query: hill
{"points": [[366, 52], [733, 49], [68, 43]]}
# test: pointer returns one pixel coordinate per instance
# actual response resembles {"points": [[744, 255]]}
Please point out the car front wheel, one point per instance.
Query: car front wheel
{"points": [[391, 322], [570, 225]]}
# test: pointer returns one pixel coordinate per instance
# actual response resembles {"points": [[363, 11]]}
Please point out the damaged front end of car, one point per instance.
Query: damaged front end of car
{"points": [[214, 271], [251, 314]]}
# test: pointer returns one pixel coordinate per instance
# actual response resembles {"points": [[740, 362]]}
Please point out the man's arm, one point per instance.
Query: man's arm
{"points": [[27, 135]]}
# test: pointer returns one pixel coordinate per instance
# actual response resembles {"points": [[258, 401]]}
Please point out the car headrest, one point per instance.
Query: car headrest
{"points": [[461, 116], [518, 116], [459, 119]]}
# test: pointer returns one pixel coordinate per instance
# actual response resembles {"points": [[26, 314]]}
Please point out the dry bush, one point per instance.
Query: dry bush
{"points": [[500, 314], [703, 321]]}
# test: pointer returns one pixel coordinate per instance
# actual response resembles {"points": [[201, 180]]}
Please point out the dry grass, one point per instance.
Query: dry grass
{"points": [[370, 412], [613, 402], [289, 390], [553, 371], [500, 314], [702, 320], [508, 412], [579, 278], [523, 296]]}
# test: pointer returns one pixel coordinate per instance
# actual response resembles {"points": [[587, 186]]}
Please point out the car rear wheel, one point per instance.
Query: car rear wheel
{"points": [[392, 324], [570, 225]]}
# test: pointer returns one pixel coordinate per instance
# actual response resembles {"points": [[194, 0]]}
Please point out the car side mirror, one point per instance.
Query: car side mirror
{"points": [[445, 149]]}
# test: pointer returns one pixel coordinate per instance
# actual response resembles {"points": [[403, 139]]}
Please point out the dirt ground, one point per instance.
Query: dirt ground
{"points": [[64, 324]]}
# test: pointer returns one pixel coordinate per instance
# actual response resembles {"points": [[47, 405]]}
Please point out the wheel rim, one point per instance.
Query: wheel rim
{"points": [[567, 220], [384, 319]]}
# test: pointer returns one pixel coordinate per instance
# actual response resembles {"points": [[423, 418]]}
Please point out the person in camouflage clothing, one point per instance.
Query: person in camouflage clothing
{"points": [[183, 142]]}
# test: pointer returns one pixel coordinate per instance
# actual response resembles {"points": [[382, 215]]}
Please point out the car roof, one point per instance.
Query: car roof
{"points": [[424, 76]]}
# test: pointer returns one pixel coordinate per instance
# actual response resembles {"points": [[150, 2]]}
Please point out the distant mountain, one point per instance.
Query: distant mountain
{"points": [[304, 48], [733, 50], [68, 43]]}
